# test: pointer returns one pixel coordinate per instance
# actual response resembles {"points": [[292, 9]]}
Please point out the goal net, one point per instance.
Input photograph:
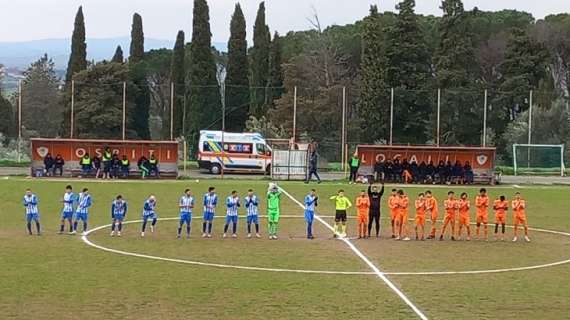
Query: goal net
{"points": [[538, 159]]}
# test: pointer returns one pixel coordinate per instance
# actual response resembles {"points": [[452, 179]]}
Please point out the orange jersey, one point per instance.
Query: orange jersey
{"points": [[519, 207], [482, 205], [362, 205], [420, 207], [450, 207], [500, 207], [403, 205], [431, 207], [463, 206], [393, 205]]}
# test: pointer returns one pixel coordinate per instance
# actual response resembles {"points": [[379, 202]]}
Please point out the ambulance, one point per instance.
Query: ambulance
{"points": [[242, 152]]}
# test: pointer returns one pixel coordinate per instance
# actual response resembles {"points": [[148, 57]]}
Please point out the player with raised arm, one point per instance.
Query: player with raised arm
{"points": [[149, 212], [342, 204], [251, 203], [500, 206], [482, 205], [273, 209], [393, 205], [232, 206], [210, 202], [67, 211], [433, 212], [420, 220], [118, 214], [464, 219], [32, 212], [311, 202], [519, 211], [185, 205], [82, 210], [363, 210], [450, 205], [375, 197]]}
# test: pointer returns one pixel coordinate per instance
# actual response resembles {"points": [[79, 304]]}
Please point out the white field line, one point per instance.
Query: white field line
{"points": [[374, 268]]}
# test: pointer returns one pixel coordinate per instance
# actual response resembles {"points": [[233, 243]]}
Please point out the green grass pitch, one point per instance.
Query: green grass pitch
{"points": [[60, 277]]}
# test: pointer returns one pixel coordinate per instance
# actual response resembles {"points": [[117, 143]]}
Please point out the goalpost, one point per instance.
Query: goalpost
{"points": [[538, 159]]}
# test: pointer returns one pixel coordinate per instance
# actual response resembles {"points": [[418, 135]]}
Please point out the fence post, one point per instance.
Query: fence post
{"points": [[295, 114], [71, 127], [529, 127]]}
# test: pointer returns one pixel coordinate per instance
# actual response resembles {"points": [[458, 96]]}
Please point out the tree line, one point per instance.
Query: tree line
{"points": [[462, 54]]}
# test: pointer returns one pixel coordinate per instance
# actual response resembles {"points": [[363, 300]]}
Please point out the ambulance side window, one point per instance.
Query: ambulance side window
{"points": [[260, 149], [206, 147]]}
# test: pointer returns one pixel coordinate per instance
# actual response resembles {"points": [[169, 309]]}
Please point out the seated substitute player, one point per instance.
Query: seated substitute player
{"points": [[519, 207], [118, 214], [450, 205], [342, 204], [251, 203], [500, 206], [393, 205], [82, 210], [210, 202], [363, 209], [32, 212], [232, 205], [464, 206], [149, 213], [186, 204], [311, 202], [67, 212], [433, 211], [402, 217], [482, 205], [273, 209], [420, 205]]}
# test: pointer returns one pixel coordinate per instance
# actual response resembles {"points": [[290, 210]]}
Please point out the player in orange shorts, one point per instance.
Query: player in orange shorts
{"points": [[500, 206], [362, 207], [402, 216], [519, 206], [482, 205], [450, 205], [420, 205], [464, 206], [393, 205], [432, 211]]}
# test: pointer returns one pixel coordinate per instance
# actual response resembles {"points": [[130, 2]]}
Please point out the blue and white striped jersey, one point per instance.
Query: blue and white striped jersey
{"points": [[31, 204], [186, 204], [148, 209], [251, 205], [68, 200], [232, 205], [84, 203], [210, 202], [310, 203], [119, 207]]}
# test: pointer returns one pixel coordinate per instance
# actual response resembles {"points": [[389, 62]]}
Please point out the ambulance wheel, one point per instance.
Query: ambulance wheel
{"points": [[216, 169]]}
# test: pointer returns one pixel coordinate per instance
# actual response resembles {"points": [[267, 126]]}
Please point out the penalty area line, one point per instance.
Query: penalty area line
{"points": [[374, 268]]}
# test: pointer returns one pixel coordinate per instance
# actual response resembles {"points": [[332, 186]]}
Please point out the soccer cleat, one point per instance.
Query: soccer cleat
{"points": [[151, 229], [112, 233], [515, 239], [441, 238], [452, 238], [397, 238], [249, 235], [257, 235], [393, 236], [119, 234], [73, 232], [142, 234], [526, 238], [204, 235], [406, 239], [275, 237], [234, 235], [468, 238], [224, 235], [84, 233], [209, 235]]}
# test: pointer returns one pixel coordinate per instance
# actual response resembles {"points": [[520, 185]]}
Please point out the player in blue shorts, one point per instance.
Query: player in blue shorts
{"points": [[232, 205], [118, 214], [82, 210], [67, 212], [32, 213], [311, 201], [149, 213], [210, 202], [186, 205], [251, 203]]}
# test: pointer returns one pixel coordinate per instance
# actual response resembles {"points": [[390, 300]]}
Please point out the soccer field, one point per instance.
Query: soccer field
{"points": [[159, 276]]}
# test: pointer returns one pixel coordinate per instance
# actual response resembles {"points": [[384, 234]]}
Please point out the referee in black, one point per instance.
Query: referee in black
{"points": [[375, 197]]}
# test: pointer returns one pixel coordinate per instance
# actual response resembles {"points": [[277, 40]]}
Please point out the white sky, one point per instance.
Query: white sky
{"points": [[23, 20]]}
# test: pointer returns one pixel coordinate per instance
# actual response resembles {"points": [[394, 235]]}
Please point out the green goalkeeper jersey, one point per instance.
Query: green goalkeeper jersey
{"points": [[273, 201]]}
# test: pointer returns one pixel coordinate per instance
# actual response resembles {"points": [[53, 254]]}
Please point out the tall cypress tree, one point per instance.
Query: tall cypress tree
{"points": [[118, 56], [178, 78], [373, 106], [138, 117], [77, 63], [408, 71], [275, 69], [205, 104], [7, 123], [457, 74], [260, 63], [237, 80]]}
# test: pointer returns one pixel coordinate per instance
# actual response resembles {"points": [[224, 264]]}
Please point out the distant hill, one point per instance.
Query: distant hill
{"points": [[21, 54]]}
